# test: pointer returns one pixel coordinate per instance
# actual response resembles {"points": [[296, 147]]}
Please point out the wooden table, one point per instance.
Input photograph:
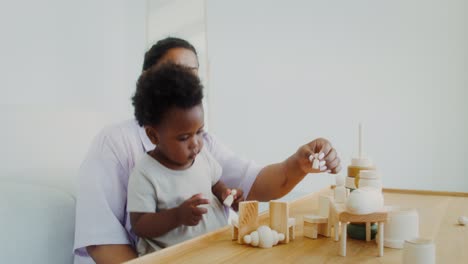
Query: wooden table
{"points": [[438, 214]]}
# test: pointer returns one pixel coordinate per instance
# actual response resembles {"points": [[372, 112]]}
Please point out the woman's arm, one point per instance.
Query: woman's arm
{"points": [[111, 254], [276, 180]]}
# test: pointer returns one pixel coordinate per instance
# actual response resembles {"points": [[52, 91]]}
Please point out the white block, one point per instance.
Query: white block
{"points": [[316, 164], [340, 194], [324, 205], [463, 220]]}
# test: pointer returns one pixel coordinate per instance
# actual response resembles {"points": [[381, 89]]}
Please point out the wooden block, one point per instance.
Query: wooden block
{"points": [[345, 217], [324, 205], [317, 219], [235, 229], [343, 239], [336, 227], [310, 230], [292, 228], [368, 231], [248, 219], [324, 229], [279, 217], [354, 218], [333, 220], [321, 224], [380, 231]]}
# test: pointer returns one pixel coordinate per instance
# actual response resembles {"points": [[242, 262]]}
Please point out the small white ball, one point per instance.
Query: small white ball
{"points": [[255, 238], [281, 237], [275, 237], [266, 237], [463, 220], [247, 239]]}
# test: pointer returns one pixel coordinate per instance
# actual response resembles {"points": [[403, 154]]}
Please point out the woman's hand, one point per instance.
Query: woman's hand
{"points": [[329, 162]]}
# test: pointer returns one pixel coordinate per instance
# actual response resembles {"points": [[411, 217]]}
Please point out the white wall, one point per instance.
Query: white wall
{"points": [[183, 19], [281, 74], [68, 68], [285, 72]]}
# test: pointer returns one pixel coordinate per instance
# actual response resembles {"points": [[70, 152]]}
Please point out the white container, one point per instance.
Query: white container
{"points": [[402, 224], [365, 201], [418, 251], [361, 162], [374, 183], [369, 174]]}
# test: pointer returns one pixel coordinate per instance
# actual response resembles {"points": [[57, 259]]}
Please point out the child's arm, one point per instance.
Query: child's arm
{"points": [[157, 224]]}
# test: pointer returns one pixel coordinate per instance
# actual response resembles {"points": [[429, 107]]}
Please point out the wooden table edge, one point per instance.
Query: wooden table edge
{"points": [[262, 216]]}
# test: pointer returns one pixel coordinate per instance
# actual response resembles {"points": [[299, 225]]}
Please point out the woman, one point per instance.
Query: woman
{"points": [[103, 231]]}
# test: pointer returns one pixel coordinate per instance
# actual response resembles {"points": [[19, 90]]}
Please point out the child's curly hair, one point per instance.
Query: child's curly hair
{"points": [[159, 89]]}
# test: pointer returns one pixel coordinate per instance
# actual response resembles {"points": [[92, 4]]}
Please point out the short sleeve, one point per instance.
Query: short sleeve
{"points": [[141, 192], [236, 172], [101, 198], [215, 168]]}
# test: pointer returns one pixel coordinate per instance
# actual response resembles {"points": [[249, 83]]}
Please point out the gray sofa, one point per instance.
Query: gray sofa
{"points": [[37, 212]]}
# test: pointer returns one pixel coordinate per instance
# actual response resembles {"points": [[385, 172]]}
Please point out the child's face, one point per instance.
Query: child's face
{"points": [[178, 137]]}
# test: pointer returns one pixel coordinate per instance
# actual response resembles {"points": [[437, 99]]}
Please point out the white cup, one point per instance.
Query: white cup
{"points": [[418, 251], [402, 224]]}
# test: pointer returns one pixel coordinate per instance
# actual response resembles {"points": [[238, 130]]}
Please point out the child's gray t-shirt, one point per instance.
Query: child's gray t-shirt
{"points": [[152, 187]]}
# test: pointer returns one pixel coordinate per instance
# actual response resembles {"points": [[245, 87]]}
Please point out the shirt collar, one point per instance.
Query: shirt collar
{"points": [[147, 144]]}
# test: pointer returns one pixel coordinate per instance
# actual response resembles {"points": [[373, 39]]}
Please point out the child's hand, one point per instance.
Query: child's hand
{"points": [[226, 192], [188, 213], [237, 197]]}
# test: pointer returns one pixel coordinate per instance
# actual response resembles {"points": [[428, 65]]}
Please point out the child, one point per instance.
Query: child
{"points": [[174, 191]]}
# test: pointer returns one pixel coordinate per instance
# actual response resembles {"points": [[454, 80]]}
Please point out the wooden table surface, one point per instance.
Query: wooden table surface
{"points": [[438, 214]]}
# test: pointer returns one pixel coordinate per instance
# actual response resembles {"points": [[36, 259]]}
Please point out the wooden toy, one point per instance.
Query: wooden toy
{"points": [[247, 221], [365, 200], [263, 237], [335, 210], [280, 221], [312, 224], [320, 224], [357, 164], [340, 191], [378, 217]]}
